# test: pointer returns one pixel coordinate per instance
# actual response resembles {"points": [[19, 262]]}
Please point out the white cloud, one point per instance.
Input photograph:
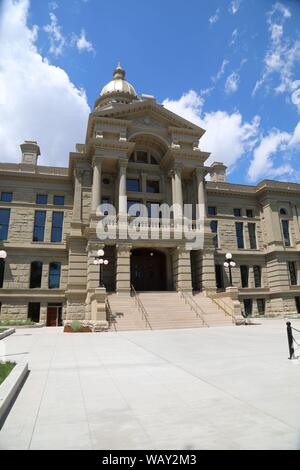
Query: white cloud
{"points": [[234, 6], [56, 38], [234, 36], [220, 72], [271, 157], [82, 44], [38, 99], [282, 54], [214, 18], [227, 136], [52, 5], [232, 83]]}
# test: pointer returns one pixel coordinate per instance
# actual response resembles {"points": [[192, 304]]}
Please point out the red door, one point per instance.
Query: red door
{"points": [[52, 316]]}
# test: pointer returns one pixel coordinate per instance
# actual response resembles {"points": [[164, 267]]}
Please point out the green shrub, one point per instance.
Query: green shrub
{"points": [[16, 323], [5, 369], [75, 325]]}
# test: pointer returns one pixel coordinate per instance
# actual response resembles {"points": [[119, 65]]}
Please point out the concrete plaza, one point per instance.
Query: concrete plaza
{"points": [[216, 388]]}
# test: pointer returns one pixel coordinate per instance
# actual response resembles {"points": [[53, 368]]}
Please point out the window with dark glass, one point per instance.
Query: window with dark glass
{"points": [[39, 226], [247, 307], [297, 302], [105, 202], [152, 186], [36, 273], [249, 213], [41, 199], [237, 212], [252, 236], [211, 210], [245, 276], [34, 309], [59, 200], [57, 227], [106, 181], [257, 276], [153, 160], [2, 270], [4, 223], [261, 306], [282, 211], [239, 228], [6, 196], [133, 185], [219, 276], [153, 210], [54, 275], [141, 157], [214, 230], [286, 232], [293, 273]]}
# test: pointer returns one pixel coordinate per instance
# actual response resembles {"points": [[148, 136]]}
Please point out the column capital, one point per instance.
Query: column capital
{"points": [[122, 163], [123, 248]]}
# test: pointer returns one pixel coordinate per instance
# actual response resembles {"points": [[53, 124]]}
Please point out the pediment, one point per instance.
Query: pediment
{"points": [[149, 114]]}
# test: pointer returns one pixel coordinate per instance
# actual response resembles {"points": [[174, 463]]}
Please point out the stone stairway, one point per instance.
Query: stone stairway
{"points": [[165, 310]]}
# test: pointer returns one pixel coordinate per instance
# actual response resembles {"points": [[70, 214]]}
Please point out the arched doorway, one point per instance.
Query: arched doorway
{"points": [[148, 270]]}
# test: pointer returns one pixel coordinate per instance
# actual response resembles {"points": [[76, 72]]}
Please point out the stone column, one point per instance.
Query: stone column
{"points": [[201, 192], [123, 268], [122, 189], [296, 225], [178, 191], [77, 207], [183, 270], [208, 271], [96, 188]]}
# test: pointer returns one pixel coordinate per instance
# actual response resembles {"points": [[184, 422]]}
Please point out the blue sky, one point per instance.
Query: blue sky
{"points": [[231, 66]]}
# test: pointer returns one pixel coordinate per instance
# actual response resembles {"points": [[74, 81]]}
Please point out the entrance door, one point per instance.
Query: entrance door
{"points": [[52, 316], [148, 270]]}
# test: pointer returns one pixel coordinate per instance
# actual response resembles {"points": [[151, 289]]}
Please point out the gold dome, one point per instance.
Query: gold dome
{"points": [[118, 85]]}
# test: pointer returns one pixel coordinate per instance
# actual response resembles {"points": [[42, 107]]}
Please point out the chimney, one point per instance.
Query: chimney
{"points": [[30, 152], [218, 172]]}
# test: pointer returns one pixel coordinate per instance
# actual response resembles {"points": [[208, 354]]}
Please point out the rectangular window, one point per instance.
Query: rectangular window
{"points": [[219, 276], [214, 230], [247, 307], [133, 185], [34, 311], [293, 273], [261, 306], [6, 197], [41, 199], [59, 200], [252, 236], [297, 302], [257, 276], [153, 210], [239, 228], [39, 226], [4, 223], [57, 227], [54, 275], [237, 212], [36, 273], [286, 232], [211, 210], [2, 270], [152, 186], [244, 276], [142, 157], [249, 213]]}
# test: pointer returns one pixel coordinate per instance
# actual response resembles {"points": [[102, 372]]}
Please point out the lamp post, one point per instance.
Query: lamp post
{"points": [[100, 261], [229, 263], [3, 256]]}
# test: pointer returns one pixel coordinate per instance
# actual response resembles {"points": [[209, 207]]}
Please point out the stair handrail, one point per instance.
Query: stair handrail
{"points": [[109, 314], [140, 306], [194, 307]]}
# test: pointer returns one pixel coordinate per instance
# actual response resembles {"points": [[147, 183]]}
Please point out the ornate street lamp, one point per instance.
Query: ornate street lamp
{"points": [[229, 263], [3, 255], [99, 260]]}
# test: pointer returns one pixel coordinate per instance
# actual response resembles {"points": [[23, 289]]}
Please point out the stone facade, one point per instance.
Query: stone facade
{"points": [[134, 139]]}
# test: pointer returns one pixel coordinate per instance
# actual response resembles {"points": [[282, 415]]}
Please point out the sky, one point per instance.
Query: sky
{"points": [[230, 66]]}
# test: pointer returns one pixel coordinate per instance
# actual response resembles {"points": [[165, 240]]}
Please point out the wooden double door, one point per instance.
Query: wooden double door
{"points": [[148, 270], [54, 315]]}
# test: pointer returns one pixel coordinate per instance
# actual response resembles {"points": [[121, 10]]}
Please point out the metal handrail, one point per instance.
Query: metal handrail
{"points": [[194, 307], [140, 306], [109, 314]]}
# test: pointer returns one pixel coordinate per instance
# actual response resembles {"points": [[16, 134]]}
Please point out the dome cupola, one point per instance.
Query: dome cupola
{"points": [[118, 89]]}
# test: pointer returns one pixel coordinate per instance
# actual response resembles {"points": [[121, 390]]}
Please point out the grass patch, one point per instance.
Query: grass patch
{"points": [[3, 329], [16, 323], [5, 370]]}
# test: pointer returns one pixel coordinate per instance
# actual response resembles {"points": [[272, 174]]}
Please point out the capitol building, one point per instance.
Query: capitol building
{"points": [[138, 152]]}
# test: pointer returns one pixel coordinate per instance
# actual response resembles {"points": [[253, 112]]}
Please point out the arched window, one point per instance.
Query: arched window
{"points": [[36, 272], [54, 275], [283, 211]]}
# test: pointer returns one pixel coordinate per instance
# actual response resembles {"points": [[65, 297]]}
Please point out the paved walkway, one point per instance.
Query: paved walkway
{"points": [[217, 388]]}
